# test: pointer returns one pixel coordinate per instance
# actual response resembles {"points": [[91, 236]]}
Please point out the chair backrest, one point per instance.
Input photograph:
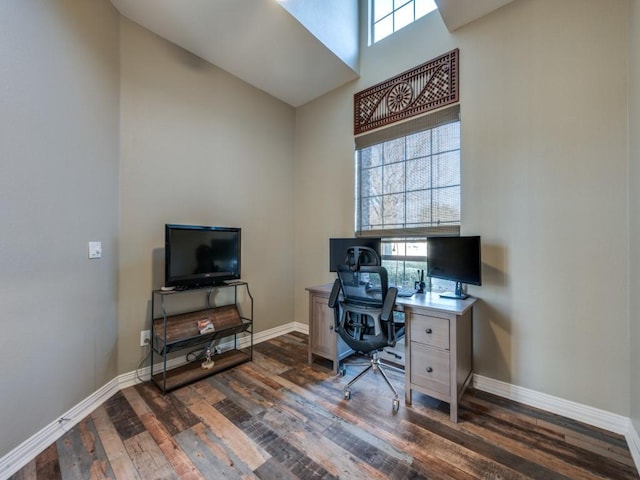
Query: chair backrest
{"points": [[361, 256], [364, 315], [366, 286]]}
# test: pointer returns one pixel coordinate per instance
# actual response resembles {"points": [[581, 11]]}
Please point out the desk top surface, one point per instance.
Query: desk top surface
{"points": [[419, 300]]}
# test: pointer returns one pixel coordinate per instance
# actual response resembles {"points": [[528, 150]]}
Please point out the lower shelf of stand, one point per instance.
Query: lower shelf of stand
{"points": [[184, 374]]}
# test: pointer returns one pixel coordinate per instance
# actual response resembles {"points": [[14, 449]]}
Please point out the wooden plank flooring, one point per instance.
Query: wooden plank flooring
{"points": [[280, 418]]}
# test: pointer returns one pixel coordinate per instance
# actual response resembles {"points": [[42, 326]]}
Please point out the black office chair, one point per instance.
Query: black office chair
{"points": [[364, 318]]}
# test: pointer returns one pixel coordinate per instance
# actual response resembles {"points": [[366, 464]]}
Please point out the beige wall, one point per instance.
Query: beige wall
{"points": [[634, 205], [199, 147], [544, 143], [544, 181], [58, 191]]}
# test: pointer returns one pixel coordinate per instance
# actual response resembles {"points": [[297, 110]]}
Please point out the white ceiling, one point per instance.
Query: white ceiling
{"points": [[457, 13], [261, 43], [258, 41]]}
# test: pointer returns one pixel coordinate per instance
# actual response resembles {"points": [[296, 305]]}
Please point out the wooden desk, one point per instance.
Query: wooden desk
{"points": [[438, 343]]}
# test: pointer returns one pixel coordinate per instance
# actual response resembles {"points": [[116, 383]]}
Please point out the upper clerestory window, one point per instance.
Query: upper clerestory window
{"points": [[389, 16]]}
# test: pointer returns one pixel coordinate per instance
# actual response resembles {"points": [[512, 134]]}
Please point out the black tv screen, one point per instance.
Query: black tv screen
{"points": [[338, 248], [455, 258], [199, 256]]}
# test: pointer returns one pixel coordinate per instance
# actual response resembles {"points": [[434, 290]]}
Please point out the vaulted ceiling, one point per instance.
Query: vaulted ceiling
{"points": [[274, 46]]}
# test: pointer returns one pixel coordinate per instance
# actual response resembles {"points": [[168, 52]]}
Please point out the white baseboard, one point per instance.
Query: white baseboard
{"points": [[30, 448], [576, 411], [582, 413]]}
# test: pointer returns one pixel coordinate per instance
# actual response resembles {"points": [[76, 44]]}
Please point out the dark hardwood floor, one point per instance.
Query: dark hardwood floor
{"points": [[280, 418]]}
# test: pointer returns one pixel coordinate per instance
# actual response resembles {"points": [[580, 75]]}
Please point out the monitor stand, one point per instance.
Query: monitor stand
{"points": [[458, 294]]}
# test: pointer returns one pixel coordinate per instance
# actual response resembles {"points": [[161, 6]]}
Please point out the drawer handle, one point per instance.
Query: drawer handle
{"points": [[428, 331], [429, 369], [331, 327]]}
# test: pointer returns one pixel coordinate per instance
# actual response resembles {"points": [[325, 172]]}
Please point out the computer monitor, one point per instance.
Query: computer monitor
{"points": [[200, 256], [339, 253], [457, 259]]}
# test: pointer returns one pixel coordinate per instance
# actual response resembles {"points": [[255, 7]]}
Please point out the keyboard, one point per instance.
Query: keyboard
{"points": [[405, 292], [402, 292]]}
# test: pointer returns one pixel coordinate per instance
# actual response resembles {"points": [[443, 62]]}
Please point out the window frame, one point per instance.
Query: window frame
{"points": [[396, 5]]}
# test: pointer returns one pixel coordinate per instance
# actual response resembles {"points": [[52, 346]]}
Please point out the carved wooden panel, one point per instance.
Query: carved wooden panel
{"points": [[426, 87]]}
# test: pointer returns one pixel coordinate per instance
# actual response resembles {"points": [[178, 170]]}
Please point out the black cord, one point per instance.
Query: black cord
{"points": [[145, 356], [196, 355]]}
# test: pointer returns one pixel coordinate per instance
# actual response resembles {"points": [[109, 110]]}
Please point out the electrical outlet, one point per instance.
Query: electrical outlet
{"points": [[145, 337]]}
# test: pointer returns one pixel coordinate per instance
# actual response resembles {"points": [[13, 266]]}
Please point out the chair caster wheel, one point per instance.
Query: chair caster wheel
{"points": [[342, 371], [396, 405], [347, 394]]}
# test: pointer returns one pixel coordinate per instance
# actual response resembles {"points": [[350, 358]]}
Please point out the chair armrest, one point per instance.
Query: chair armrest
{"points": [[389, 303], [334, 303], [387, 315], [335, 293]]}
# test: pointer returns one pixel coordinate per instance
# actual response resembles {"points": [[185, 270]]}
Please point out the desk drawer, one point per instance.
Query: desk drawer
{"points": [[430, 368], [432, 331]]}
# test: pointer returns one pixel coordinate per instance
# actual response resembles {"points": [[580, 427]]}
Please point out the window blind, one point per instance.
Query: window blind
{"points": [[408, 177]]}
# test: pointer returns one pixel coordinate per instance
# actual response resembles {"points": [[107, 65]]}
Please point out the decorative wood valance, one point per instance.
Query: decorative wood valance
{"points": [[426, 87]]}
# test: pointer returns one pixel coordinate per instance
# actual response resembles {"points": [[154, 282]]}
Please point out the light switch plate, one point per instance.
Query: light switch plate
{"points": [[95, 249]]}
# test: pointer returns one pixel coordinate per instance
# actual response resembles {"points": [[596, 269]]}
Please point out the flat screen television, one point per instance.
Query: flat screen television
{"points": [[457, 259], [201, 256], [339, 251]]}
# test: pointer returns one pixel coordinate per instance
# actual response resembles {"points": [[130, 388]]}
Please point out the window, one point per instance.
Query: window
{"points": [[388, 16], [407, 188], [404, 259]]}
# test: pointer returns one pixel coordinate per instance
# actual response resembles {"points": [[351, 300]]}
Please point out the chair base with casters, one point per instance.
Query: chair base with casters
{"points": [[374, 364]]}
